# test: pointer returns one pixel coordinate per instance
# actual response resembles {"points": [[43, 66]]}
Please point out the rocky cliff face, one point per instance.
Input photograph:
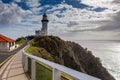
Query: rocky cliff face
{"points": [[73, 56]]}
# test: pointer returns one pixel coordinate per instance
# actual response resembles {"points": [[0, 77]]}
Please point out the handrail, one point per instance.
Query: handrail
{"points": [[73, 73]]}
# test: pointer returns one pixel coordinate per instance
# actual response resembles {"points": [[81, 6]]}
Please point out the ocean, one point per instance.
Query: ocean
{"points": [[108, 52]]}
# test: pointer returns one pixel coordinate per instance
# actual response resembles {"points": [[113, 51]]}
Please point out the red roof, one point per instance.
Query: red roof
{"points": [[5, 39]]}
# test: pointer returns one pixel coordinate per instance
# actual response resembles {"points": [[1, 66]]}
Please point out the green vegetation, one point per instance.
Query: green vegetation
{"points": [[69, 54], [20, 41], [43, 73], [40, 52], [30, 37], [29, 67]]}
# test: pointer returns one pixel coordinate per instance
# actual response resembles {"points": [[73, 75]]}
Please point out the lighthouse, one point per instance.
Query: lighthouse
{"points": [[44, 29], [44, 24]]}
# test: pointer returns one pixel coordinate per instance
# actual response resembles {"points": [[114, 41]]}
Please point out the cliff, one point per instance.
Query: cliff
{"points": [[69, 54]]}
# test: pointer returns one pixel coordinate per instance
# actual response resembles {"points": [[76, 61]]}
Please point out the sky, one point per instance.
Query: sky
{"points": [[69, 19]]}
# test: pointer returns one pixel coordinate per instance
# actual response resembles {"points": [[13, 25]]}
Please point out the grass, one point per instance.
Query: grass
{"points": [[39, 52], [43, 72], [33, 50], [29, 67]]}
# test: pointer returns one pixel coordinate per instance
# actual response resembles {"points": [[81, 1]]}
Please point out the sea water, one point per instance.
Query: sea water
{"points": [[108, 52]]}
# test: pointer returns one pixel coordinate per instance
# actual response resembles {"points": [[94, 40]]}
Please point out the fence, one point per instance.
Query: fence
{"points": [[58, 72]]}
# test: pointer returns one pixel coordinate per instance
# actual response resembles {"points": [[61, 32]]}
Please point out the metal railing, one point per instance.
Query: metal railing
{"points": [[57, 70]]}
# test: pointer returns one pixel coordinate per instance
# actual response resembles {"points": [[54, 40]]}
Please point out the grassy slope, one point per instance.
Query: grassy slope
{"points": [[39, 52], [69, 53], [42, 73]]}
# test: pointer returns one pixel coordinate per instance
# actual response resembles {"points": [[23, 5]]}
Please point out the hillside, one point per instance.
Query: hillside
{"points": [[69, 54]]}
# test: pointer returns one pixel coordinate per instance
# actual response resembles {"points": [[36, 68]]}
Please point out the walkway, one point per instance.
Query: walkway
{"points": [[14, 69]]}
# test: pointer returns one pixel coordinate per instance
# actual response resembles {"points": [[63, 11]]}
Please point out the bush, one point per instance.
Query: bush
{"points": [[20, 41]]}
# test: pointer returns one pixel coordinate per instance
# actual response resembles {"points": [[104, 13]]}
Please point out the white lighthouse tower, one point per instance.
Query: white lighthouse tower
{"points": [[44, 29], [44, 24]]}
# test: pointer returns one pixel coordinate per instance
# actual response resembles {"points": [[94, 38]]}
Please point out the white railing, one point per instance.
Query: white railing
{"points": [[57, 69]]}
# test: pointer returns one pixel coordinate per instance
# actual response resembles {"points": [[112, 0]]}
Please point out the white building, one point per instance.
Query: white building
{"points": [[6, 44], [44, 28]]}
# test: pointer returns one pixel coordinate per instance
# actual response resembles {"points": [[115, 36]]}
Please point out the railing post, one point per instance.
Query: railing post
{"points": [[23, 58], [26, 63], [56, 74], [33, 69]]}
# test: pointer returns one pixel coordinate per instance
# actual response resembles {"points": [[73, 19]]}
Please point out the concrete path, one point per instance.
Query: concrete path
{"points": [[14, 69]]}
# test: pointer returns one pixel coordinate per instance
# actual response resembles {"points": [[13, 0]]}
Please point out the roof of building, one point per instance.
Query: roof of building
{"points": [[5, 39]]}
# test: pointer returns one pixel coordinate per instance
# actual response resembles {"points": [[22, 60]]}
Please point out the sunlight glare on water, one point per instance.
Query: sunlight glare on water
{"points": [[108, 52]]}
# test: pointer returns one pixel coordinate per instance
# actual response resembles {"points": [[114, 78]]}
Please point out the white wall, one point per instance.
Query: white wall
{"points": [[6, 46]]}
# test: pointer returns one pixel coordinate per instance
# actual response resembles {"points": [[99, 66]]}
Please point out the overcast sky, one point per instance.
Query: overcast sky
{"points": [[69, 19]]}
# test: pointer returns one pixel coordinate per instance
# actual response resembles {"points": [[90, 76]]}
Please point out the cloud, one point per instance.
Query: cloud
{"points": [[64, 20], [116, 1], [11, 13], [112, 25], [72, 23], [17, 0], [34, 6], [33, 3], [98, 3]]}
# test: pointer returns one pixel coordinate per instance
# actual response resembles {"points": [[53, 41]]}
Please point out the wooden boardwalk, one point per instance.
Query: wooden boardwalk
{"points": [[13, 69]]}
